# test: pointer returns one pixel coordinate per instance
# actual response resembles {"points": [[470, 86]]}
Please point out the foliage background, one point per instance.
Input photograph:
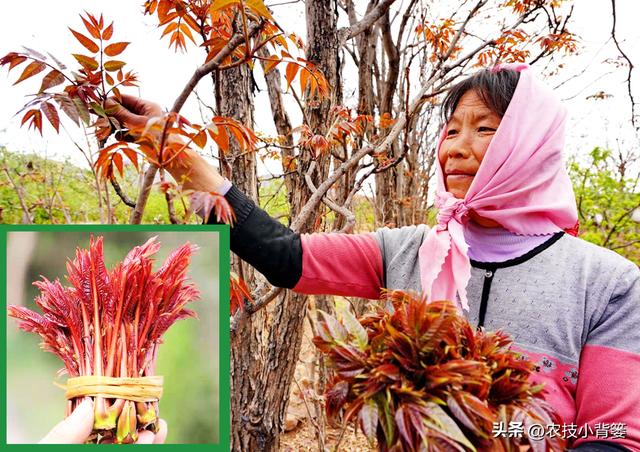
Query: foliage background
{"points": [[188, 359]]}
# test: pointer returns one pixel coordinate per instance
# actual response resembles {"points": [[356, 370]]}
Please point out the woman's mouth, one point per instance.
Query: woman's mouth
{"points": [[459, 174]]}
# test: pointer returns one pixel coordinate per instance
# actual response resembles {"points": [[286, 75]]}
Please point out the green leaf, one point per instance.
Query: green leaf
{"points": [[386, 420], [442, 422], [336, 330], [353, 326], [83, 111], [97, 109], [86, 62], [113, 65]]}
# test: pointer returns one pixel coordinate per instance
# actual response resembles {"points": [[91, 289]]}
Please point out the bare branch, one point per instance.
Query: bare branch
{"points": [[403, 23], [624, 55], [349, 216], [212, 65], [618, 221], [20, 192], [250, 308], [367, 21], [123, 196], [456, 38], [633, 242], [398, 127], [323, 188]]}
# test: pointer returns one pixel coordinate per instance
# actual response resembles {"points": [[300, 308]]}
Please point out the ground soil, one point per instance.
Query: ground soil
{"points": [[303, 438]]}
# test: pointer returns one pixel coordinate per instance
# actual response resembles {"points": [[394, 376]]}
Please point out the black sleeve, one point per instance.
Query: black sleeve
{"points": [[266, 244], [599, 446]]}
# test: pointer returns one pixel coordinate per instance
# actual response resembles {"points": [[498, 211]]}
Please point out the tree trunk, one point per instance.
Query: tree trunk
{"points": [[266, 347], [234, 99], [387, 182]]}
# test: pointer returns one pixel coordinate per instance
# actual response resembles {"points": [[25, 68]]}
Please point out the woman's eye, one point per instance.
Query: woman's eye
{"points": [[451, 132], [486, 129]]}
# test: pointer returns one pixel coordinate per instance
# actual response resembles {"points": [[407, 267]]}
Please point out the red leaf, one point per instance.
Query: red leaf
{"points": [[32, 69], [36, 120], [200, 139], [117, 161], [173, 26], [53, 78], [108, 32], [368, 418], [186, 31], [238, 293], [86, 42], [92, 29], [270, 63], [304, 80], [290, 73], [221, 138], [52, 115], [116, 48], [13, 59], [68, 107], [132, 156]]}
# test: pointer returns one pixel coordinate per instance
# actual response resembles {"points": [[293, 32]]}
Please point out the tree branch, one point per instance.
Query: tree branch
{"points": [[324, 187], [150, 174], [398, 127], [123, 196], [19, 191], [624, 55], [458, 34], [342, 210], [617, 222], [367, 21]]}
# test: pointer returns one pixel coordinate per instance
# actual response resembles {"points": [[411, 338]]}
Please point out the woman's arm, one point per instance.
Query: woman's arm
{"points": [[608, 393], [323, 263]]}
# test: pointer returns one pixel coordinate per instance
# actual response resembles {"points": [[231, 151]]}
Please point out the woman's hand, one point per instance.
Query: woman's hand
{"points": [[133, 112], [190, 170], [77, 428]]}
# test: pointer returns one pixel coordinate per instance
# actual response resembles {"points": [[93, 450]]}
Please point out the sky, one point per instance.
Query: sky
{"points": [[42, 25]]}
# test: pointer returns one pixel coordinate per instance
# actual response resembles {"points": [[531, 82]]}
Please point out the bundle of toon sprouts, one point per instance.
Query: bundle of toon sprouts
{"points": [[106, 327]]}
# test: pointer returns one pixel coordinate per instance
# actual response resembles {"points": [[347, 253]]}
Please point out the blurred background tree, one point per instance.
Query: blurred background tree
{"points": [[608, 199]]}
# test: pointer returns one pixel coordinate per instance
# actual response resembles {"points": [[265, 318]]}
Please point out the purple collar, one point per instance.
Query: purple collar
{"points": [[498, 244]]}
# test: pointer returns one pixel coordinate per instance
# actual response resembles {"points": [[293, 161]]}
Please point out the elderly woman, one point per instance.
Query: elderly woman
{"points": [[504, 248]]}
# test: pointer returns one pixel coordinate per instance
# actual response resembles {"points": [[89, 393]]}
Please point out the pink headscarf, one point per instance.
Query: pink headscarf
{"points": [[522, 184]]}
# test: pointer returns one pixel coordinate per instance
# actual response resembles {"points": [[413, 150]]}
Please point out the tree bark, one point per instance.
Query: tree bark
{"points": [[234, 99], [267, 345]]}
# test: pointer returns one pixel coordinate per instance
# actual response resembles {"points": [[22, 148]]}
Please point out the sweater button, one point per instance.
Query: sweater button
{"points": [[488, 274]]}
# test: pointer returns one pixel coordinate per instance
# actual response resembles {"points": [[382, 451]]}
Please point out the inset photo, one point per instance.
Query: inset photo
{"points": [[114, 334]]}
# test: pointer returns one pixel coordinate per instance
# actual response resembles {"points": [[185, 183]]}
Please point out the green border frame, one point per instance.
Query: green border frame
{"points": [[224, 383]]}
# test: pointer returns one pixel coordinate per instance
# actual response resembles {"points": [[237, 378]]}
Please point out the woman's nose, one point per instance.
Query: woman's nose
{"points": [[460, 146]]}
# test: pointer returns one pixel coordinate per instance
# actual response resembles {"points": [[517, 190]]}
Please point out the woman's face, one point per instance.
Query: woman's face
{"points": [[468, 135]]}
